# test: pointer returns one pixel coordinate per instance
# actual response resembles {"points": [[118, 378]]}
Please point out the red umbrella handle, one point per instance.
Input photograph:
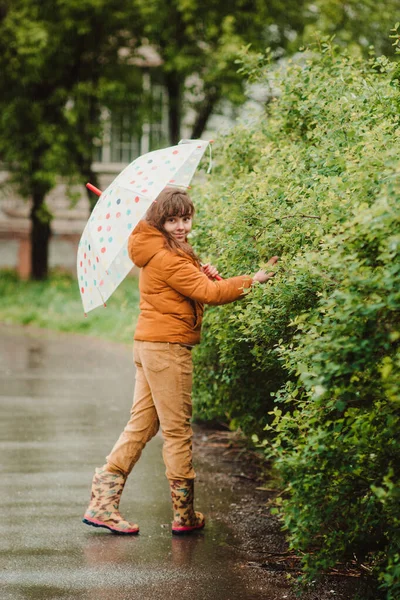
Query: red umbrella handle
{"points": [[217, 277], [94, 189]]}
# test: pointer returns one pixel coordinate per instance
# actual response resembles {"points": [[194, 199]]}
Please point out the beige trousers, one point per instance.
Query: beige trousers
{"points": [[162, 397]]}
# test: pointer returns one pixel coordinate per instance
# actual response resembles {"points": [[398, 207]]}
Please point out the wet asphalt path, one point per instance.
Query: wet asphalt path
{"points": [[64, 400]]}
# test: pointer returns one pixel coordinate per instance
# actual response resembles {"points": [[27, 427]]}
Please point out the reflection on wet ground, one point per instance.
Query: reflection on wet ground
{"points": [[64, 401]]}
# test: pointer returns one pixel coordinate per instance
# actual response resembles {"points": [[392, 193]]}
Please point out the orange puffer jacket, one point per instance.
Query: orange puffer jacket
{"points": [[173, 290]]}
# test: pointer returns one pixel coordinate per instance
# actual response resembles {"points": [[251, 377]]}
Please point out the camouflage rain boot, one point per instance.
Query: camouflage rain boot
{"points": [[103, 508], [185, 518]]}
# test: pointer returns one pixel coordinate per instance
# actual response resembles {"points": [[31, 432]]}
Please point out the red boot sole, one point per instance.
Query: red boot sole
{"points": [[184, 530], [116, 531]]}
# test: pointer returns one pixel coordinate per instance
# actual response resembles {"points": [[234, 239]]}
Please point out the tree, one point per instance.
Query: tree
{"points": [[59, 64], [359, 23], [198, 42]]}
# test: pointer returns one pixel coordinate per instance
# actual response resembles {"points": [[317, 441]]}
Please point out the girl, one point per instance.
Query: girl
{"points": [[173, 289]]}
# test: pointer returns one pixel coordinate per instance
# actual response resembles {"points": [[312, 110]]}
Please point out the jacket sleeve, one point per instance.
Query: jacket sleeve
{"points": [[184, 277]]}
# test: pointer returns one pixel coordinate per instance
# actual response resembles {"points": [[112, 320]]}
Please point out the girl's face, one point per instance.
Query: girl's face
{"points": [[178, 227]]}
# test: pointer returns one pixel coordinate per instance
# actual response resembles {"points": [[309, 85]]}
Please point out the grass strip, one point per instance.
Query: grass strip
{"points": [[56, 304]]}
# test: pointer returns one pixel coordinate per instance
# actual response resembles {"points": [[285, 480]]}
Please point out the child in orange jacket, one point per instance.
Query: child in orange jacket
{"points": [[173, 289]]}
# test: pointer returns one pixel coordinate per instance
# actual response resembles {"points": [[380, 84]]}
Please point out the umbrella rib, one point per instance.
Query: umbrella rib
{"points": [[101, 296]]}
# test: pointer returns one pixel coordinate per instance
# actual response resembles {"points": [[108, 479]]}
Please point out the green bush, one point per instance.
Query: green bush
{"points": [[337, 445], [312, 357]]}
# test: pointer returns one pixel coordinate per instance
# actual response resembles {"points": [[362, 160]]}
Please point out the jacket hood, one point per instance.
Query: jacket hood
{"points": [[144, 242]]}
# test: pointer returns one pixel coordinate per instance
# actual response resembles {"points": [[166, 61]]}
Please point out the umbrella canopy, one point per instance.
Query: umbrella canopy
{"points": [[103, 261]]}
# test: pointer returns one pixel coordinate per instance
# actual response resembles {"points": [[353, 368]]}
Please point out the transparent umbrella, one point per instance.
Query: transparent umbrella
{"points": [[103, 261]]}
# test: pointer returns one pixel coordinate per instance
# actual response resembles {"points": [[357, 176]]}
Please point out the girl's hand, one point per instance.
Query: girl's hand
{"points": [[209, 270], [262, 276]]}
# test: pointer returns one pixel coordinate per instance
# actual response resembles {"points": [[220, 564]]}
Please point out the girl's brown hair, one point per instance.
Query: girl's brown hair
{"points": [[172, 202]]}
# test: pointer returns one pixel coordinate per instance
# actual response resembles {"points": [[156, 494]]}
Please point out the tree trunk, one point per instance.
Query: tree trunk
{"points": [[40, 237], [204, 113], [174, 88]]}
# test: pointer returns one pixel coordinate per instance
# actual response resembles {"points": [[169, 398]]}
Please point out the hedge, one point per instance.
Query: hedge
{"points": [[309, 362]]}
